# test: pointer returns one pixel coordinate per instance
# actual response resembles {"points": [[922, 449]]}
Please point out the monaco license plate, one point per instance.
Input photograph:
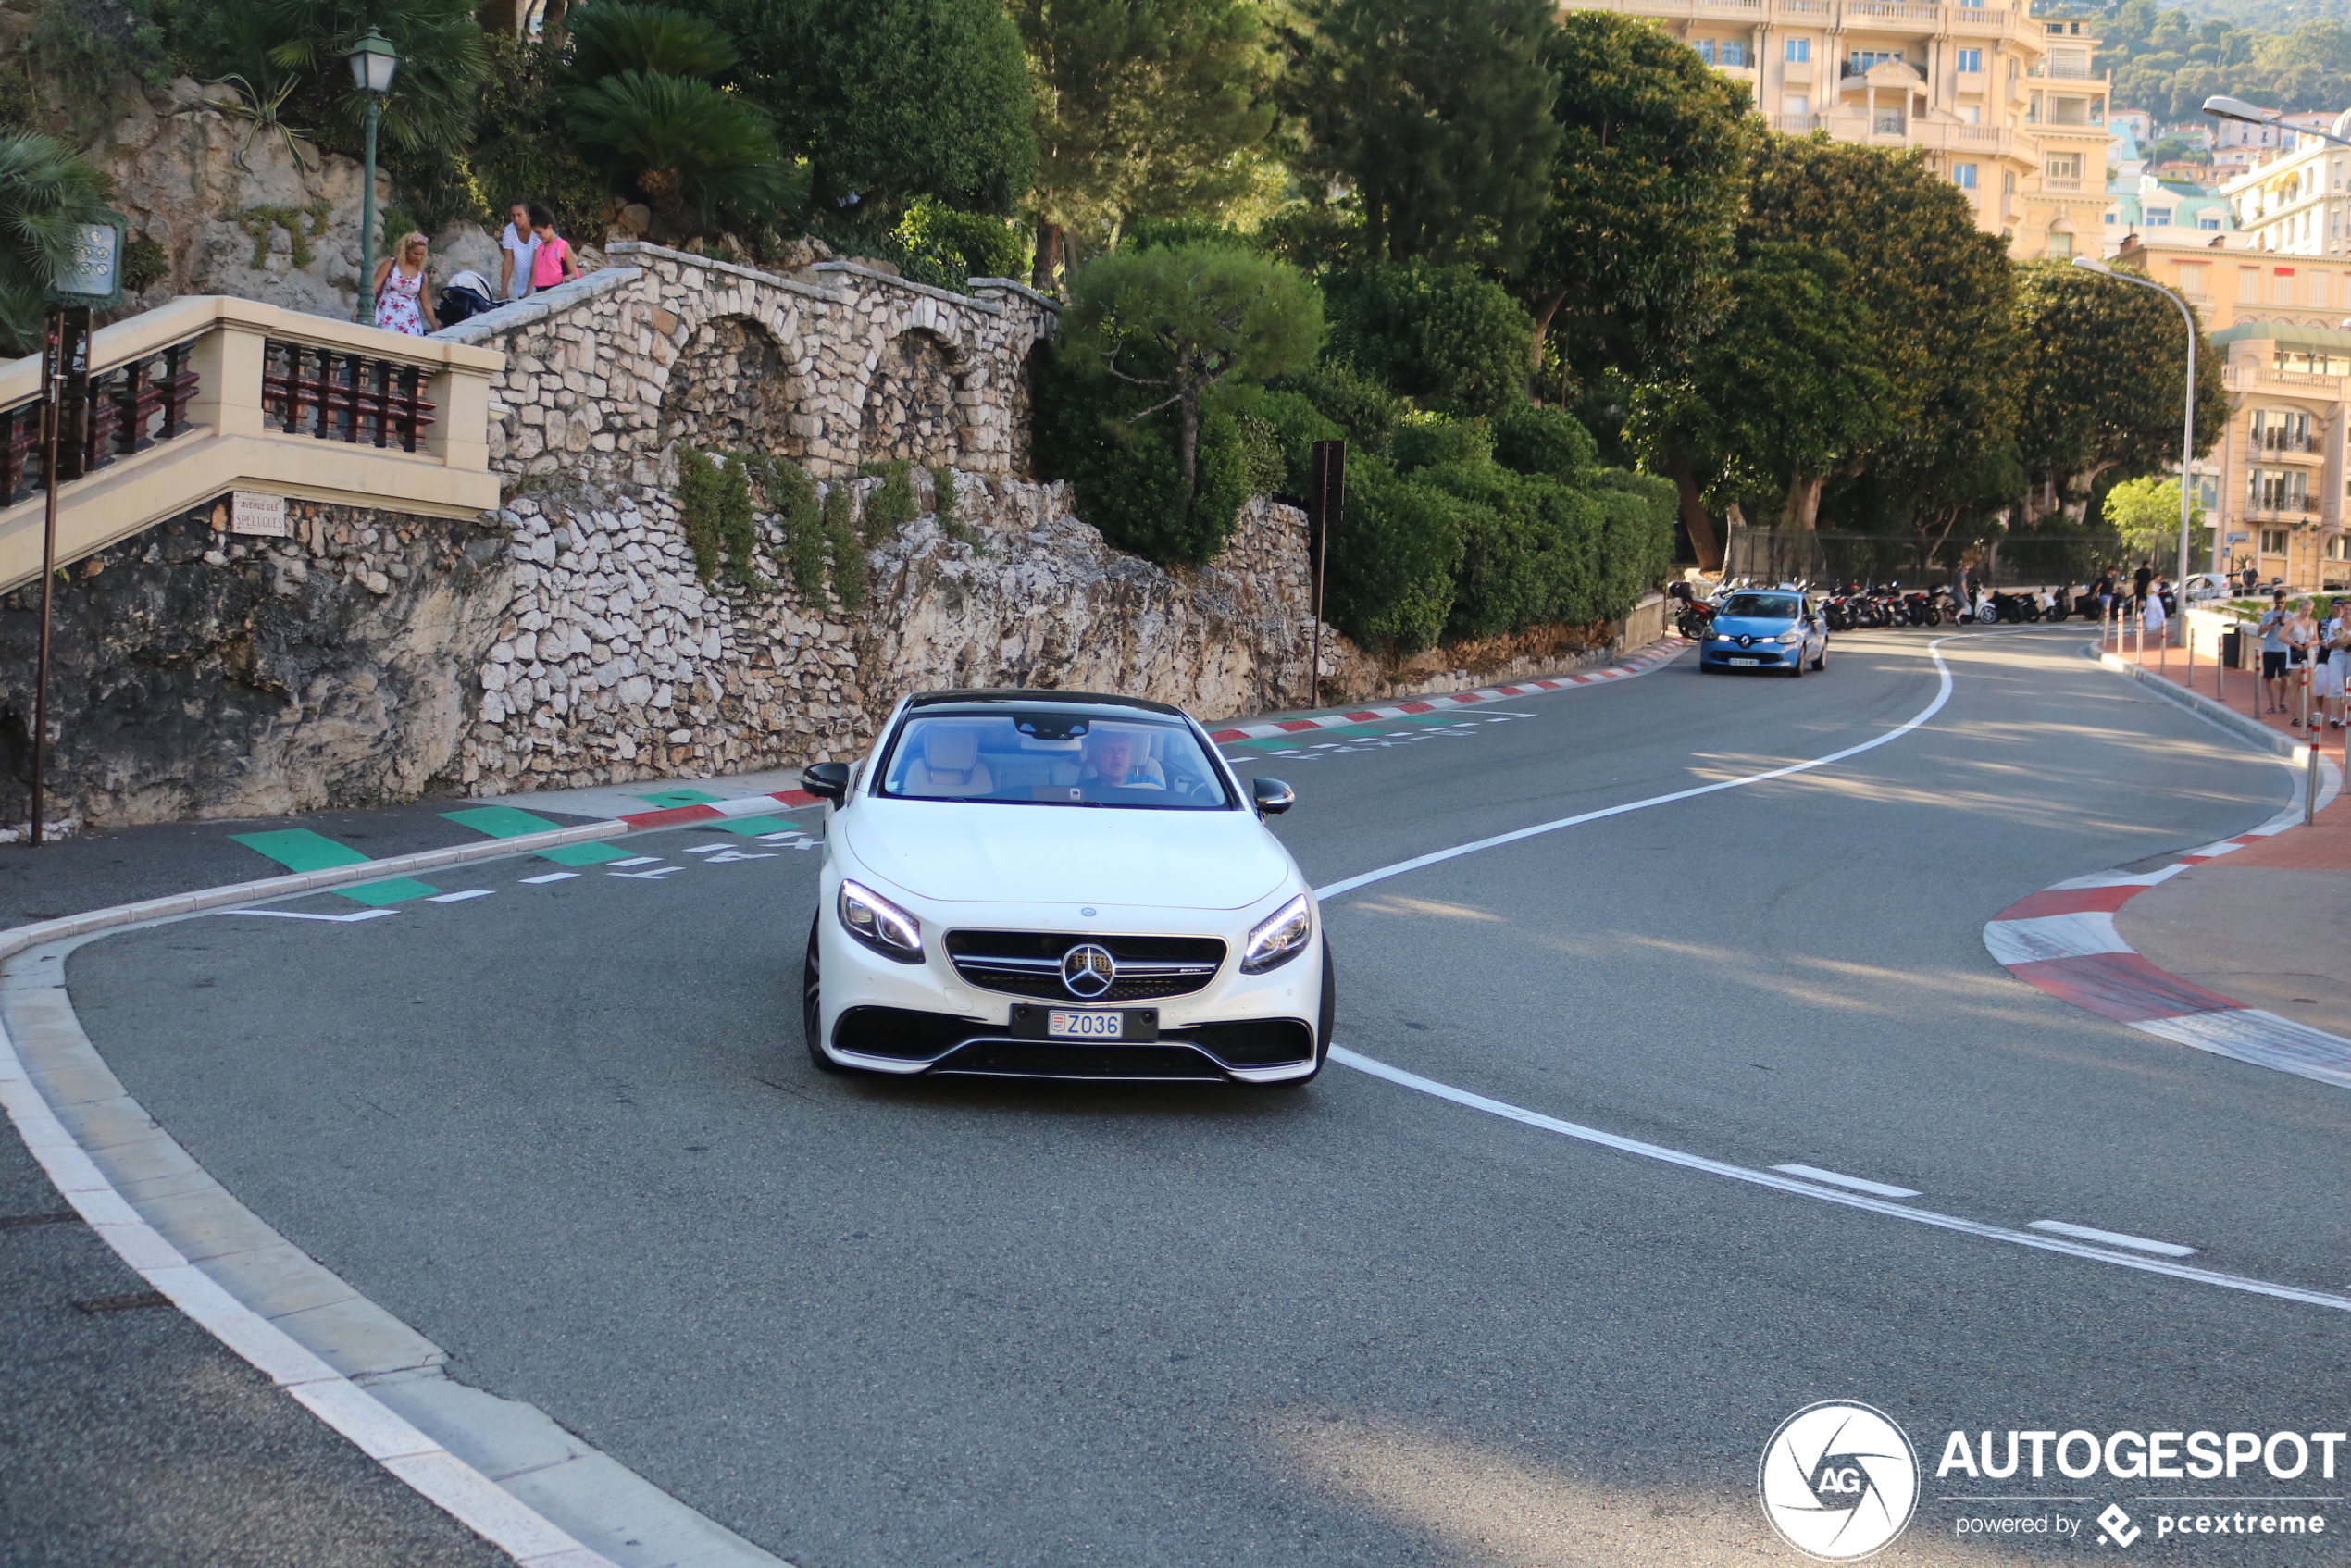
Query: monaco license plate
{"points": [[1126, 1024], [1747, 661]]}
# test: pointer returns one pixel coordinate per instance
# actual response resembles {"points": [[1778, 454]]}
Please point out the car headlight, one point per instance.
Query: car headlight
{"points": [[1278, 938], [880, 924], [1724, 637], [1794, 634]]}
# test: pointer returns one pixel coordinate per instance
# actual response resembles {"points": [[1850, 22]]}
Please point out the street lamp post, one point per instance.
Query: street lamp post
{"points": [[2187, 438], [372, 63], [2254, 114]]}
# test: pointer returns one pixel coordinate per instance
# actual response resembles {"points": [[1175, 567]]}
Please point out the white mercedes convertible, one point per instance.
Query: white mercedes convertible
{"points": [[1060, 885]]}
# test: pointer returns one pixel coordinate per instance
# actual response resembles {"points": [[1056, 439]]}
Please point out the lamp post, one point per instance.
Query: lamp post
{"points": [[2187, 438], [2254, 114], [372, 63]]}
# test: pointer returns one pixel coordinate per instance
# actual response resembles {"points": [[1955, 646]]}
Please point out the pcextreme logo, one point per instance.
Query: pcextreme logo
{"points": [[1838, 1480]]}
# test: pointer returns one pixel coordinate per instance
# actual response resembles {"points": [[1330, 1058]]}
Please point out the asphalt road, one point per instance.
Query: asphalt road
{"points": [[567, 1131]]}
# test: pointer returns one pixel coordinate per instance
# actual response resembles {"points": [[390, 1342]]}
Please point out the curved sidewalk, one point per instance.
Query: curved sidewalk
{"points": [[2266, 914]]}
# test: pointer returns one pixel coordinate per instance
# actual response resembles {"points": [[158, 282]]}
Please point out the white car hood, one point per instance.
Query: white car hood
{"points": [[977, 854]]}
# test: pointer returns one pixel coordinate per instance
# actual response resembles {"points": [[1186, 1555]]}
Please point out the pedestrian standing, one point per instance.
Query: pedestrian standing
{"points": [[518, 248], [2152, 617], [399, 287], [2301, 636], [2334, 661], [2104, 588], [2271, 630], [553, 263]]}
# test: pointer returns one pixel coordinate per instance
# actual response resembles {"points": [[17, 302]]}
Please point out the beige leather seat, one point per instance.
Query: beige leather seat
{"points": [[950, 766]]}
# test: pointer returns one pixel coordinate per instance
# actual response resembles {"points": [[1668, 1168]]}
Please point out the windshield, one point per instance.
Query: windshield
{"points": [[1052, 756], [1767, 606]]}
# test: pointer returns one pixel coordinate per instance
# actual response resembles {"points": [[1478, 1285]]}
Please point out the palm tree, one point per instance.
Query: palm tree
{"points": [[45, 191], [688, 145], [612, 36]]}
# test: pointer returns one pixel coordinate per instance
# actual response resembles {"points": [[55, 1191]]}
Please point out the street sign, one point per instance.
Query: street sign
{"points": [[91, 272], [252, 512]]}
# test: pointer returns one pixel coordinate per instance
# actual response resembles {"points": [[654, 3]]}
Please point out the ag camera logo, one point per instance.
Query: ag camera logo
{"points": [[1838, 1480]]}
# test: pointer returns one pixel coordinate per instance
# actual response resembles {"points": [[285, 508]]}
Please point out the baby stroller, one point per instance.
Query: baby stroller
{"points": [[467, 295]]}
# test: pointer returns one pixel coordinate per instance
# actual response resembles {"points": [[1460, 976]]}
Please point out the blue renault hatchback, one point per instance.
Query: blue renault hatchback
{"points": [[1774, 628]]}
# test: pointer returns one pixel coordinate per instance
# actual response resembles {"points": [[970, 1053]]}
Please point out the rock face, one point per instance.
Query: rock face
{"points": [[197, 673], [236, 214], [614, 663]]}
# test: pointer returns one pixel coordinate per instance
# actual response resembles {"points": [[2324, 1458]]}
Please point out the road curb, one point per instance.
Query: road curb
{"points": [[1655, 655], [489, 1506], [2063, 939]]}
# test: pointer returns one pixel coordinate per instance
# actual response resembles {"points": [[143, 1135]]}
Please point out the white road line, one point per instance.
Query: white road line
{"points": [[2113, 1238], [1814, 1173], [701, 849], [2037, 1240], [2041, 1240], [654, 876], [293, 914], [460, 898], [638, 860], [550, 876], [1942, 695]]}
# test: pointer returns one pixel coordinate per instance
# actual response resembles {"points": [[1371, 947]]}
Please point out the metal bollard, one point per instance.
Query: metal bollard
{"points": [[2310, 785]]}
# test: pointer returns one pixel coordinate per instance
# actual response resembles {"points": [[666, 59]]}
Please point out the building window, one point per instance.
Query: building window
{"points": [[1862, 59], [2203, 223], [2338, 548], [2160, 217], [1799, 52], [2061, 247], [1798, 104], [2065, 165], [2007, 188], [1705, 48], [1735, 53], [2272, 539], [1963, 176], [1971, 61], [2281, 429]]}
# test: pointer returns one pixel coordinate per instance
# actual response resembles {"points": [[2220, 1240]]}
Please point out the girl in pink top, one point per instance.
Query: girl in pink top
{"points": [[553, 263]]}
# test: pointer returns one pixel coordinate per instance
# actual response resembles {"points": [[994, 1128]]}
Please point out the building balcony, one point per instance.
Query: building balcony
{"points": [[2282, 509]]}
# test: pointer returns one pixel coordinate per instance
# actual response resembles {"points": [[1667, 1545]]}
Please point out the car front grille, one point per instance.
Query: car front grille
{"points": [[1253, 1042], [1024, 1059], [1029, 962]]}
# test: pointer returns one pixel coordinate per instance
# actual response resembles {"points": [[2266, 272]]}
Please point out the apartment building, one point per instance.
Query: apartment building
{"points": [[2004, 104], [2296, 203], [2281, 479]]}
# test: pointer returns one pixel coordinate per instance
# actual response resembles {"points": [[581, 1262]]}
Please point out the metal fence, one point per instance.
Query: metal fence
{"points": [[1829, 555]]}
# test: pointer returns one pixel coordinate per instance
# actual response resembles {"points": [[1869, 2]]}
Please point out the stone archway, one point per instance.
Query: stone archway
{"points": [[732, 390], [912, 404]]}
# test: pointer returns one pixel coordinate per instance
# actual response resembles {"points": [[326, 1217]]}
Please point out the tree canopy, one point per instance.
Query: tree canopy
{"points": [[889, 99], [46, 190], [1631, 260], [1436, 117], [2105, 377], [1144, 106]]}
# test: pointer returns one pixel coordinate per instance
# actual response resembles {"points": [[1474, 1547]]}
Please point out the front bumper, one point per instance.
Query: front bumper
{"points": [[1767, 655], [911, 1019]]}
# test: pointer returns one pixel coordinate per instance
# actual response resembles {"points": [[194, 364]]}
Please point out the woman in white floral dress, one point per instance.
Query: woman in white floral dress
{"points": [[400, 304]]}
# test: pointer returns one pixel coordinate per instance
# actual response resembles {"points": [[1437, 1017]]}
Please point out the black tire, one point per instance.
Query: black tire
{"points": [[812, 1011], [1322, 1024], [1822, 662]]}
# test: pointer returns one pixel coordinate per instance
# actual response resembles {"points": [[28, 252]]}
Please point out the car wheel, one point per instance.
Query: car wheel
{"points": [[812, 1011], [1795, 666], [1822, 662]]}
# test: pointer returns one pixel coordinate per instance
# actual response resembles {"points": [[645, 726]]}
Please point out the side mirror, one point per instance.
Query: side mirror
{"points": [[1271, 796], [826, 780]]}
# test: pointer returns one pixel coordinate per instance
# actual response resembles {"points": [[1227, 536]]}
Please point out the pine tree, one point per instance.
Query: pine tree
{"points": [[1436, 116]]}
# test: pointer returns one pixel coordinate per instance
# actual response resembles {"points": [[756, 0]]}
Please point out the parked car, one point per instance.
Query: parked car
{"points": [[1060, 885], [2202, 586], [1774, 628]]}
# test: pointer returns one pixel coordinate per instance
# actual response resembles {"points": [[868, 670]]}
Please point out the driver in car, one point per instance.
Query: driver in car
{"points": [[1113, 760]]}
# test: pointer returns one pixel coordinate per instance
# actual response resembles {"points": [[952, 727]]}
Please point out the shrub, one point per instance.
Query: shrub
{"points": [[1637, 546], [791, 498], [842, 544], [1535, 440], [1433, 440], [1442, 334], [1363, 411], [1389, 578], [1124, 471], [891, 505], [1291, 422], [943, 504], [713, 506]]}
